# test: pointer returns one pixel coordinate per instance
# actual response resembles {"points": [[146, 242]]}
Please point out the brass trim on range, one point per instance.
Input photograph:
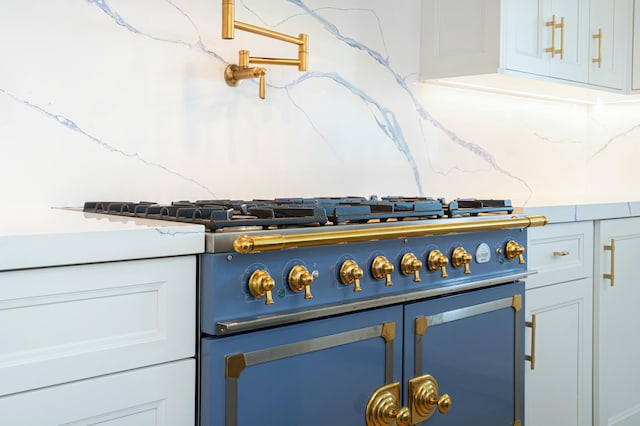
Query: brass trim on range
{"points": [[235, 364], [422, 323], [259, 243], [612, 276], [383, 406]]}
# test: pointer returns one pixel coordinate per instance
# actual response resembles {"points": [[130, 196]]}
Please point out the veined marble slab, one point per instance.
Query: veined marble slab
{"points": [[40, 237]]}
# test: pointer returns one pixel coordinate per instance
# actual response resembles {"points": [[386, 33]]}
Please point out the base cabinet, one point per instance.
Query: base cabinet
{"points": [[152, 396], [558, 375], [616, 344]]}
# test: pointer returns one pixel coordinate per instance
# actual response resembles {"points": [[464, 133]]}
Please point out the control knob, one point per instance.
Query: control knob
{"points": [[301, 279], [381, 268], [459, 258], [261, 284], [514, 250], [437, 260], [351, 273], [410, 264]]}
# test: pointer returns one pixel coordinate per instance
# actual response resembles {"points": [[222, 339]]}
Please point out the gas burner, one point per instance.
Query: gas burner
{"points": [[292, 212]]}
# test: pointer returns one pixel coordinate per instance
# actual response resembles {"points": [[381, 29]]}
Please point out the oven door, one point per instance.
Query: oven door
{"points": [[471, 345], [315, 373]]}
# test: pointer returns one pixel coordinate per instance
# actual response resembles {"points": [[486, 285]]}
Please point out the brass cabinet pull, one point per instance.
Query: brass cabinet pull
{"points": [[561, 253], [532, 358], [555, 25], [598, 37], [611, 276]]}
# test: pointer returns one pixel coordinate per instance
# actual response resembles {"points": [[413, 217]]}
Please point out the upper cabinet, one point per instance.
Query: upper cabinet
{"points": [[591, 43], [459, 37]]}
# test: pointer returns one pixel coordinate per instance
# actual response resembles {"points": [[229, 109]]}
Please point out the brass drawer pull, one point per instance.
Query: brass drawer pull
{"points": [[561, 253], [532, 358], [598, 37], [612, 249]]}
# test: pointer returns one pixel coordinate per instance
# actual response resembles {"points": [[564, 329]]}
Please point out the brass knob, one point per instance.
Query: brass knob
{"points": [[350, 273], [514, 250], [383, 408], [425, 398], [410, 264], [459, 258], [437, 260], [261, 284], [381, 268], [301, 279]]}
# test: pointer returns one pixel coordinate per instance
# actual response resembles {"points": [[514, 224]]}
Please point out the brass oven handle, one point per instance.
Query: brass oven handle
{"points": [[258, 243], [532, 358], [611, 276], [598, 37]]}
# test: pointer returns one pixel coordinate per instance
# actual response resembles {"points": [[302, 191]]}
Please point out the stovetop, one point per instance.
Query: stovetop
{"points": [[278, 213]]}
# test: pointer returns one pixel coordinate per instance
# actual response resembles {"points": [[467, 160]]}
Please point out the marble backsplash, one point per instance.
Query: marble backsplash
{"points": [[120, 99]]}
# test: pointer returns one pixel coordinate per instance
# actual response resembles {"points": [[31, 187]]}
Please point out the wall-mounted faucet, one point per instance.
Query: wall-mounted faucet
{"points": [[233, 74]]}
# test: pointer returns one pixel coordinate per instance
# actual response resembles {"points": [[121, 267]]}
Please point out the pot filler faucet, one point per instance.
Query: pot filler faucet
{"points": [[233, 74]]}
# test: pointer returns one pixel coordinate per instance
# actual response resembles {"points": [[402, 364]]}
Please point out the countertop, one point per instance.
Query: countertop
{"points": [[583, 211], [39, 237]]}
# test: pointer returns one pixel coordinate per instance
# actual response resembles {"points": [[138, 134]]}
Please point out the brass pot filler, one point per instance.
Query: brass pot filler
{"points": [[234, 74]]}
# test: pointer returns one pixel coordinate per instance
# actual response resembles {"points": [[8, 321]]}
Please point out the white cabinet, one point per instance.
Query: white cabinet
{"points": [[616, 343], [104, 343], [558, 385], [636, 47], [459, 37], [578, 41], [558, 306], [152, 396], [547, 38]]}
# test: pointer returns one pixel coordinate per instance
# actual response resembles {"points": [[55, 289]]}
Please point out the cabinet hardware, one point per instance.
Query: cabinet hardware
{"points": [[532, 358], [598, 37], [561, 253], [555, 25], [612, 249]]}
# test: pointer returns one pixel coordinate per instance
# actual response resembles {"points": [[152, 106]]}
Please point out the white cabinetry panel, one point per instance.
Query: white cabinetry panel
{"points": [[68, 323], [617, 348], [459, 37], [154, 396], [560, 252], [558, 389]]}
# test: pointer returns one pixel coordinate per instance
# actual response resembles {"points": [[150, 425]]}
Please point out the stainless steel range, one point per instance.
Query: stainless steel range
{"points": [[357, 311]]}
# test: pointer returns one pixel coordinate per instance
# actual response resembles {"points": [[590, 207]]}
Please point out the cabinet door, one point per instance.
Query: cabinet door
{"points": [[573, 63], [471, 343], [610, 42], [534, 45], [617, 347], [459, 37], [162, 395], [558, 376], [525, 36]]}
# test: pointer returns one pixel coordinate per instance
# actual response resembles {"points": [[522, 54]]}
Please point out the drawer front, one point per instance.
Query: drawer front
{"points": [[162, 395], [69, 323], [560, 252]]}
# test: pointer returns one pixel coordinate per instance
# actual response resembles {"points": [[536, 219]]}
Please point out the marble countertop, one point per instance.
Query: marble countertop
{"points": [[583, 211], [31, 238]]}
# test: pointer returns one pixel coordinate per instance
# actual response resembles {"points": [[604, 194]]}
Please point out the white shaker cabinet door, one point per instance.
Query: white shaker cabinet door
{"points": [[163, 395], [558, 378], [459, 37], [617, 302]]}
